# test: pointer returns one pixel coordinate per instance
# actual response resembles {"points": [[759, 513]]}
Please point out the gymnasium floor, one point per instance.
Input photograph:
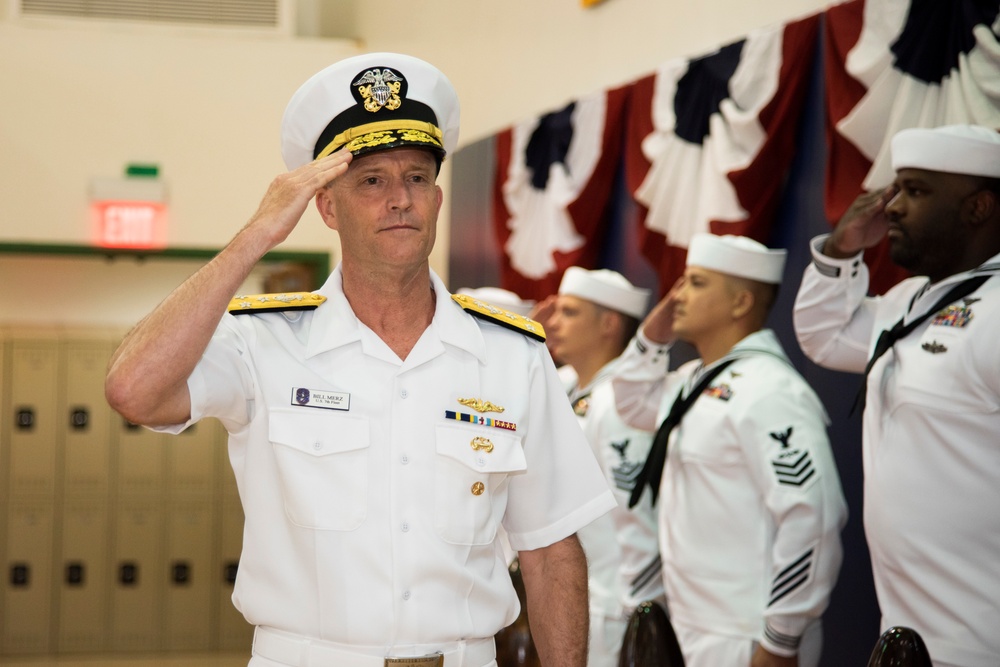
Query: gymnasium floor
{"points": [[238, 659]]}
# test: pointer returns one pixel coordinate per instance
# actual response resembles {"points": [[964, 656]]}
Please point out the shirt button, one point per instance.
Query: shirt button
{"points": [[406, 595], [480, 462], [403, 393], [404, 459], [318, 446], [405, 527]]}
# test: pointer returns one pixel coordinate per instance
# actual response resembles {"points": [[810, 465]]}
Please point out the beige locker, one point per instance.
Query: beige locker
{"points": [[234, 632], [83, 576], [192, 459], [30, 419], [141, 459], [137, 577], [27, 586], [85, 416], [5, 411], [188, 575]]}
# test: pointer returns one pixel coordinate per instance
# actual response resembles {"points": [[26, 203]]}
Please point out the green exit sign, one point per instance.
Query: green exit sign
{"points": [[142, 170]]}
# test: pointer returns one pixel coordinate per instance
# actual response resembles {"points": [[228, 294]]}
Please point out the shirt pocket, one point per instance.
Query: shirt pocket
{"points": [[322, 460], [941, 374], [472, 471], [706, 435]]}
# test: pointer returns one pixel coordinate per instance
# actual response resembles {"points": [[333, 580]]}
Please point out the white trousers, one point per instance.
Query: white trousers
{"points": [[704, 649], [606, 635]]}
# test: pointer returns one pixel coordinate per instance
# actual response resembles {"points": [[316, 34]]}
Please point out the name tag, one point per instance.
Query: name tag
{"points": [[314, 398]]}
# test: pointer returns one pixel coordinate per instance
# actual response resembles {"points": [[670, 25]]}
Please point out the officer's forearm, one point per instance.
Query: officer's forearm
{"points": [[147, 375], [555, 581]]}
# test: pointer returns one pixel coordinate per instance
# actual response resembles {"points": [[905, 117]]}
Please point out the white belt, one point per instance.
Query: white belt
{"points": [[298, 651]]}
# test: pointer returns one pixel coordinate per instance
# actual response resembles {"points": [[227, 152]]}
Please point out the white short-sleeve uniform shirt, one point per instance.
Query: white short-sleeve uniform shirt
{"points": [[371, 519]]}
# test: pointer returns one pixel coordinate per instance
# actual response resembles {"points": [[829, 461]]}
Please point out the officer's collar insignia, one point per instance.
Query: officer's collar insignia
{"points": [[934, 347], [479, 420], [721, 391], [953, 316], [479, 405], [379, 87], [269, 303], [581, 405], [504, 318]]}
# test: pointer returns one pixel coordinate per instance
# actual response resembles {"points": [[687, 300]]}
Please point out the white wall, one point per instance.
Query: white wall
{"points": [[81, 103], [80, 100]]}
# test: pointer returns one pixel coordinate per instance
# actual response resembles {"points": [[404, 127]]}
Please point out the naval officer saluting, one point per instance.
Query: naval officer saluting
{"points": [[380, 429]]}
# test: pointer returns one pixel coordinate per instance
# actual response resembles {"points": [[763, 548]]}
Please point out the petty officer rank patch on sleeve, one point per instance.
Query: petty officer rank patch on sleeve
{"points": [[792, 466], [627, 471], [271, 303], [504, 318]]}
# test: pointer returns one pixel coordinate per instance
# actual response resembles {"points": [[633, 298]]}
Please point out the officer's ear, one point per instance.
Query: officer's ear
{"points": [[325, 206]]}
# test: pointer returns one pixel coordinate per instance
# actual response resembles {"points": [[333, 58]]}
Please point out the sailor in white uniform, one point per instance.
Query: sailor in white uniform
{"points": [[750, 501]]}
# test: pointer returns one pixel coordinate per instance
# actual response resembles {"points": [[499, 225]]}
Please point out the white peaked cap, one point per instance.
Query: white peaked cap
{"points": [[368, 103], [973, 150], [737, 256], [605, 288], [501, 298]]}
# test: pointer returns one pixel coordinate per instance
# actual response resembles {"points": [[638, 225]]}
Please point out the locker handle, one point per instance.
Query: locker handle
{"points": [[180, 573], [79, 419], [128, 574], [74, 574], [20, 575], [25, 419]]}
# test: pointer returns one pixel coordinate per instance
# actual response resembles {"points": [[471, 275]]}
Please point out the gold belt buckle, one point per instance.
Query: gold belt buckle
{"points": [[436, 660]]}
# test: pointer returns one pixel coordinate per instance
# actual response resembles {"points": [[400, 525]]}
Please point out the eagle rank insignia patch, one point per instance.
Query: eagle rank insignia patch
{"points": [[504, 318], [271, 303]]}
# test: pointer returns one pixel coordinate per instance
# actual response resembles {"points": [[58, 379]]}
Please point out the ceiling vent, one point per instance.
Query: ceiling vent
{"points": [[260, 14]]}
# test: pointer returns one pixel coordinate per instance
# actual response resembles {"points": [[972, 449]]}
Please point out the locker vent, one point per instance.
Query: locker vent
{"points": [[232, 13]]}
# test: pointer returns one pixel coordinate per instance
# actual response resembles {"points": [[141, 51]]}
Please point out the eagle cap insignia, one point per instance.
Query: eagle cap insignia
{"points": [[379, 87], [479, 405]]}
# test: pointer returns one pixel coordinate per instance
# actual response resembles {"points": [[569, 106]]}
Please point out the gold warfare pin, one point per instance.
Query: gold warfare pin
{"points": [[479, 405]]}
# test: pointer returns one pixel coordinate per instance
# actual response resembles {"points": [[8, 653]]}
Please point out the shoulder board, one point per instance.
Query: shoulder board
{"points": [[504, 318], [270, 303]]}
